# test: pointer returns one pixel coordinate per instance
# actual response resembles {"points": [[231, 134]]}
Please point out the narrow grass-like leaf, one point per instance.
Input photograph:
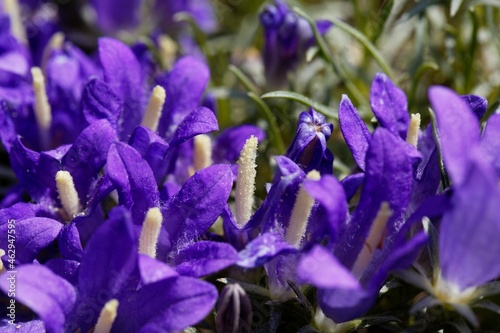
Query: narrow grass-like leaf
{"points": [[245, 80], [377, 56], [273, 126], [303, 100]]}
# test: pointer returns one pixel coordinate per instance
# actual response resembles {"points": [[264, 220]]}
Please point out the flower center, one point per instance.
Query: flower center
{"points": [[450, 293]]}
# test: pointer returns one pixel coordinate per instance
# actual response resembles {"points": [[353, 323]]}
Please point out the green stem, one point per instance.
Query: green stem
{"points": [[271, 119], [243, 79]]}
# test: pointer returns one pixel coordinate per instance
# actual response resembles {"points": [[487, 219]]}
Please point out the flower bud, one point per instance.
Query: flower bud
{"points": [[287, 36], [308, 148], [234, 311]]}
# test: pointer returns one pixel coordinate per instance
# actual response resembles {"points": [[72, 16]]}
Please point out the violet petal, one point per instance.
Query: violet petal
{"points": [[354, 130], [204, 258], [48, 295]]}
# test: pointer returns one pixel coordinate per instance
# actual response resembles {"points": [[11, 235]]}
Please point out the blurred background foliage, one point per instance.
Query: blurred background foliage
{"points": [[423, 42]]}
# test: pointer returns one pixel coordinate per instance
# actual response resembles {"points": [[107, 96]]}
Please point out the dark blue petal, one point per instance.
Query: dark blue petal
{"points": [[48, 295], [123, 74], [199, 121], [354, 130], [153, 150], [184, 86], [263, 249], [389, 178], [192, 211], [476, 104], [86, 157], [31, 236], [112, 17], [69, 243], [133, 179], [109, 265], [230, 142], [490, 142], [389, 105], [168, 305], [204, 258], [99, 101]]}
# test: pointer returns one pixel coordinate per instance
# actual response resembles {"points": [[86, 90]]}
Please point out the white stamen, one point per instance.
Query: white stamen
{"points": [[412, 134], [43, 113], [155, 106], [202, 152], [300, 213], [55, 43], [150, 232], [107, 317], [11, 7], [168, 50], [245, 183], [67, 193], [375, 237]]}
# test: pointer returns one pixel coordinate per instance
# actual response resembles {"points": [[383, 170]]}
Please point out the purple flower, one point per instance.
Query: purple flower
{"points": [[112, 18], [390, 108], [308, 148], [287, 36], [466, 253], [373, 242], [48, 295], [48, 115], [459, 132], [148, 292]]}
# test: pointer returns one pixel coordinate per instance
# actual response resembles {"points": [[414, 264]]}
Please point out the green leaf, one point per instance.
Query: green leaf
{"points": [[377, 56], [336, 65], [319, 39], [271, 119], [303, 100], [245, 80], [200, 36], [351, 31]]}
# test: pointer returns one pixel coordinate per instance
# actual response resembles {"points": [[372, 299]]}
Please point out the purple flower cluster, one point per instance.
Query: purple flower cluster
{"points": [[140, 217]]}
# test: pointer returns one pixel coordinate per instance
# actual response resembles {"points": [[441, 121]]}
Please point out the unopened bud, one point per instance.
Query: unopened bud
{"points": [[308, 148], [234, 311]]}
